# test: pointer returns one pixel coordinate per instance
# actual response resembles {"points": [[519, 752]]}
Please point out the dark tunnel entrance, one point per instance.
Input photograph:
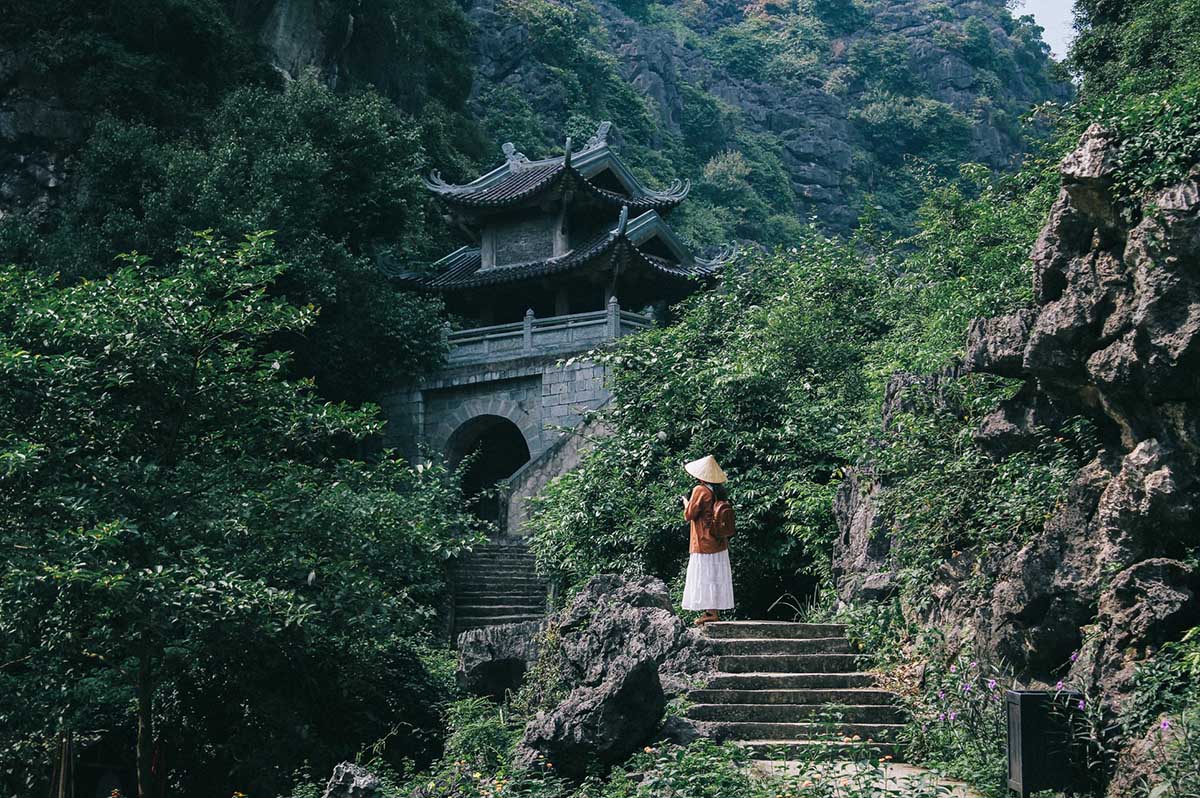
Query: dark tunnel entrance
{"points": [[499, 450]]}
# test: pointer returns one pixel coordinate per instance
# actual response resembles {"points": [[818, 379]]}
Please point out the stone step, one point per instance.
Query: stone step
{"points": [[795, 713], [526, 563], [476, 621], [787, 663], [760, 629], [825, 749], [781, 645], [498, 579], [849, 697], [500, 586], [492, 610], [505, 597], [833, 732], [751, 680], [492, 573]]}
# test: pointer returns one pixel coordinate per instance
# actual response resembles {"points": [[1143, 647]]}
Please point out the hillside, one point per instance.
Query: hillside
{"points": [[778, 112]]}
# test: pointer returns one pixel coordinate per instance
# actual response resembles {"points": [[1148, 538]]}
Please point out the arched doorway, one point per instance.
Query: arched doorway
{"points": [[499, 450]]}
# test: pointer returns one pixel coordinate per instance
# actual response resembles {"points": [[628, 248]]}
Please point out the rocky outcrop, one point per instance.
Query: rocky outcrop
{"points": [[809, 119], [1114, 338], [492, 661], [352, 781], [623, 652]]}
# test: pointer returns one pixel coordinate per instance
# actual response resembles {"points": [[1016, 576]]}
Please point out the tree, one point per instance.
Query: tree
{"points": [[184, 519], [336, 177]]}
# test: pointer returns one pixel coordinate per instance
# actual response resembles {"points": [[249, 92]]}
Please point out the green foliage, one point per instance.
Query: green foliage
{"points": [[766, 374], [336, 178], [162, 61], [959, 723], [188, 533], [1130, 47], [1166, 683]]}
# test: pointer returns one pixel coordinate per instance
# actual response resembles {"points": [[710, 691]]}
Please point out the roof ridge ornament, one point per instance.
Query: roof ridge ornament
{"points": [[622, 221], [567, 156], [600, 137], [513, 156]]}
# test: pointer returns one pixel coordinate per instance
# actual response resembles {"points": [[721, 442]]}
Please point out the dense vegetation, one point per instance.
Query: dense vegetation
{"points": [[202, 564], [821, 53]]}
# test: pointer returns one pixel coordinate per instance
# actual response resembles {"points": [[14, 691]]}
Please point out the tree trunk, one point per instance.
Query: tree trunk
{"points": [[145, 728]]}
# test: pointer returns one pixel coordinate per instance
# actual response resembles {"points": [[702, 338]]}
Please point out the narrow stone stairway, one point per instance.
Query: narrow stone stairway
{"points": [[495, 584], [793, 686]]}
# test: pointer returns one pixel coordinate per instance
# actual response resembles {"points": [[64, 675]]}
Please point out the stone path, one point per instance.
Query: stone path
{"points": [[792, 687], [495, 584], [891, 779]]}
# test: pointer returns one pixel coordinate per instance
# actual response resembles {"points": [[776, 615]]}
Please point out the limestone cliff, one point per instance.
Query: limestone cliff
{"points": [[810, 98], [1114, 337]]}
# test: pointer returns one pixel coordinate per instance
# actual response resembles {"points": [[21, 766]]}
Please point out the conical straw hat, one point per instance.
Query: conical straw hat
{"points": [[706, 470]]}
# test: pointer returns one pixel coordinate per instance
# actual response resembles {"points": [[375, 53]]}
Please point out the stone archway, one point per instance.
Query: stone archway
{"points": [[497, 449]]}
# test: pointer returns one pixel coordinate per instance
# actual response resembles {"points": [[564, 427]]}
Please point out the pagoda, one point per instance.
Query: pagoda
{"points": [[562, 236]]}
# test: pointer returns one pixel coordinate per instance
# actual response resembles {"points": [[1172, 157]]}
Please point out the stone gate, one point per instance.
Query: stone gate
{"points": [[514, 395]]}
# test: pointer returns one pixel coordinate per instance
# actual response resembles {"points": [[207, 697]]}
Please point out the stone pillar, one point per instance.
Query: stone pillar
{"points": [[614, 318], [527, 331]]}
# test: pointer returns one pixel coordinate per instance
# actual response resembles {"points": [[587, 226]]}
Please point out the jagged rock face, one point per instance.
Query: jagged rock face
{"points": [[1114, 337], [624, 652], [352, 781], [492, 661], [811, 121]]}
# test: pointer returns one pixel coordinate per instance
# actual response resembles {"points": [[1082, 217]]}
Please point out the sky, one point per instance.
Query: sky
{"points": [[1055, 17]]}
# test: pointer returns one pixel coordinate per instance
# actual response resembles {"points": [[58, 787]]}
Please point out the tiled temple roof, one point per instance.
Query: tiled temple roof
{"points": [[519, 179], [462, 268]]}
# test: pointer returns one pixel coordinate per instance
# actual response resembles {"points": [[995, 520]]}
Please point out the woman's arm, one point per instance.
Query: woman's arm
{"points": [[697, 504]]}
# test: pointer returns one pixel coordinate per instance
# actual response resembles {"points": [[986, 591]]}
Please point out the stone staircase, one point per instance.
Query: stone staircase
{"points": [[495, 584], [794, 686]]}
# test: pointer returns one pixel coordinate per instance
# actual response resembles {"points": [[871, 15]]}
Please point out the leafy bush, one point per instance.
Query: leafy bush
{"points": [[781, 341], [196, 559], [337, 179], [959, 723]]}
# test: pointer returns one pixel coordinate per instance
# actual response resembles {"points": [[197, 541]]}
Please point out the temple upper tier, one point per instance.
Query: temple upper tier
{"points": [[562, 235]]}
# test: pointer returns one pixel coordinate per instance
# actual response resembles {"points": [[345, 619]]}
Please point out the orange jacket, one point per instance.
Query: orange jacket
{"points": [[699, 512]]}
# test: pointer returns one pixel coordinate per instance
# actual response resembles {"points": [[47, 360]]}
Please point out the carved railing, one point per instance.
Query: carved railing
{"points": [[554, 335]]}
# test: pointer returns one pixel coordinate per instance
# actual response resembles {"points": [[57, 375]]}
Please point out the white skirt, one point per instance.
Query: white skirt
{"points": [[709, 584]]}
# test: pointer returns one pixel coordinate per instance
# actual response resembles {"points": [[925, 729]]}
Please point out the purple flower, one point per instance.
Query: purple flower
{"points": [[954, 669], [966, 687], [1081, 704], [974, 664], [991, 684], [953, 715], [942, 716], [941, 694], [1166, 724], [1059, 686], [1074, 656]]}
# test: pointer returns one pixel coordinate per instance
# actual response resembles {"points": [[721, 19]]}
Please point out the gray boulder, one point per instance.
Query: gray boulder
{"points": [[597, 727], [352, 781], [623, 651], [493, 660]]}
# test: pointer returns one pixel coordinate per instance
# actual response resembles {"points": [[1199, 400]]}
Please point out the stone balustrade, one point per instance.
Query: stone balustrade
{"points": [[575, 332]]}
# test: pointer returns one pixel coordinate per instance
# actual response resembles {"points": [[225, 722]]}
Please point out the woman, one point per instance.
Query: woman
{"points": [[709, 585]]}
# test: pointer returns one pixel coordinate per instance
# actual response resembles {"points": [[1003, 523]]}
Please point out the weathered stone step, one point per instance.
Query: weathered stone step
{"points": [[490, 561], [834, 732], [505, 597], [751, 680], [476, 621], [787, 663], [795, 713], [772, 749], [843, 696], [494, 585], [491, 610], [497, 579], [780, 645], [760, 629]]}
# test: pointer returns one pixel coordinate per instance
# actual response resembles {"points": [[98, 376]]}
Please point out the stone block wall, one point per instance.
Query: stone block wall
{"points": [[542, 396]]}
